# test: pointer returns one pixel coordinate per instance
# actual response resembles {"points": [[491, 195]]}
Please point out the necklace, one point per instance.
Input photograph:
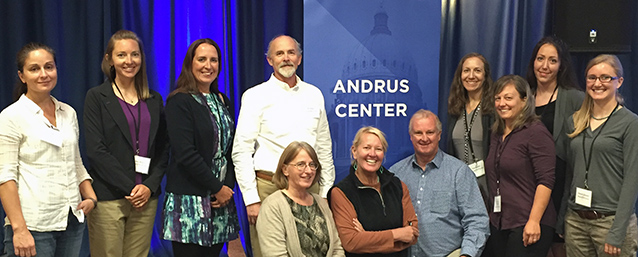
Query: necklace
{"points": [[601, 118]]}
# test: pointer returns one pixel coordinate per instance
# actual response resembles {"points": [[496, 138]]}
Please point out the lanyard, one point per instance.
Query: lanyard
{"points": [[468, 134], [549, 101], [497, 165], [135, 123], [591, 147]]}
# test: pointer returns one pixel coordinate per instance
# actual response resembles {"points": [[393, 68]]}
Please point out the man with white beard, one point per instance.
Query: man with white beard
{"points": [[272, 115]]}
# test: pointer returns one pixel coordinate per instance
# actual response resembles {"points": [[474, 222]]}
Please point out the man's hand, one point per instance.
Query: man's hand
{"points": [[252, 211]]}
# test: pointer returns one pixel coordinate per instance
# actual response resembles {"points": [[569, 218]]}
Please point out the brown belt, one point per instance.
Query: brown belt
{"points": [[264, 175], [593, 215]]}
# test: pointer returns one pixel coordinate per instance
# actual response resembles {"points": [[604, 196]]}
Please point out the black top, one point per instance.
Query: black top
{"points": [[109, 148], [193, 139], [376, 210], [547, 115]]}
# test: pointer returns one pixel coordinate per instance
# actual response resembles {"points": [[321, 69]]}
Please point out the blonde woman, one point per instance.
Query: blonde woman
{"points": [[600, 217]]}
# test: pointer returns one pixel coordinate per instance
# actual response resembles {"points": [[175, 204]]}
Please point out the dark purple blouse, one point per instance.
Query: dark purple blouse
{"points": [[131, 113], [524, 160]]}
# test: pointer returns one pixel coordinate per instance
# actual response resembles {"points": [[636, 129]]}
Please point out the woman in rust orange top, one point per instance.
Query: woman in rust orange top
{"points": [[372, 207]]}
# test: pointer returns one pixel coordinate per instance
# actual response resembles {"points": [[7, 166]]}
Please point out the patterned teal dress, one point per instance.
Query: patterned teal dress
{"points": [[190, 218]]}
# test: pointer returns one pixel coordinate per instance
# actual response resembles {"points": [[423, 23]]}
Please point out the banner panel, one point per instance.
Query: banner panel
{"points": [[376, 63]]}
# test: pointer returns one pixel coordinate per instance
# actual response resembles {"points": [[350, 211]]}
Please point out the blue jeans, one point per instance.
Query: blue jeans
{"points": [[65, 243]]}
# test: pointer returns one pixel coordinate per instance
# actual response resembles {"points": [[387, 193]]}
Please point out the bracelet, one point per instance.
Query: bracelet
{"points": [[92, 200]]}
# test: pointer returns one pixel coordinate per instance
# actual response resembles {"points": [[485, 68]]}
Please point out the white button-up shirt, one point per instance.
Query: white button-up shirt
{"points": [[273, 115], [44, 161]]}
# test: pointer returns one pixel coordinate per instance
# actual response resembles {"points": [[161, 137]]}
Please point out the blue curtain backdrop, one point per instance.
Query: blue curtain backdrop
{"points": [[79, 30], [504, 31]]}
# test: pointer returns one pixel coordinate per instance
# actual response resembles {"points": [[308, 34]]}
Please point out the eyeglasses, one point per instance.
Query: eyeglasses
{"points": [[301, 166], [603, 78]]}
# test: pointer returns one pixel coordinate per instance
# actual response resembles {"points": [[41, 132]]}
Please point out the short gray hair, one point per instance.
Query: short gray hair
{"points": [[281, 35]]}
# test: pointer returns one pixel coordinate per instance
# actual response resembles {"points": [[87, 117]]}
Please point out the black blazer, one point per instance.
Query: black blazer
{"points": [[193, 141], [109, 146]]}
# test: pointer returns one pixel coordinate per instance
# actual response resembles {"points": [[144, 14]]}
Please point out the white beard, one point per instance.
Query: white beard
{"points": [[287, 71]]}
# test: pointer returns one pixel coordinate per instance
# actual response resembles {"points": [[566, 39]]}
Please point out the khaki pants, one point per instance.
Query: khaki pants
{"points": [[586, 238], [264, 189], [455, 253], [117, 229]]}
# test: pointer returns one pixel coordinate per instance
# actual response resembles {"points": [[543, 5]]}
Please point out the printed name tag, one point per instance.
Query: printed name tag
{"points": [[142, 164], [497, 203], [478, 168], [52, 136], [583, 197]]}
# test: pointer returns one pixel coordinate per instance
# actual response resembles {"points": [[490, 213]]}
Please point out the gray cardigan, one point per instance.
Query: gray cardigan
{"points": [[277, 230], [568, 101]]}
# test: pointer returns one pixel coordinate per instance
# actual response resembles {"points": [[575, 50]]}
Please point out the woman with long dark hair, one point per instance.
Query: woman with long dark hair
{"points": [[45, 189], [199, 211], [471, 115]]}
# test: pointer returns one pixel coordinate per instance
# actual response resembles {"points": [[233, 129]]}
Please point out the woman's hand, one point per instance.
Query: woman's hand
{"points": [[405, 234], [86, 206], [222, 197], [612, 250], [139, 196], [531, 233], [357, 225], [23, 243]]}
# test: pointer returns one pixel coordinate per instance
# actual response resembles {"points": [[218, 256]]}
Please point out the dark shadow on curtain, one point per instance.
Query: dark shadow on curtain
{"points": [[258, 22], [505, 32]]}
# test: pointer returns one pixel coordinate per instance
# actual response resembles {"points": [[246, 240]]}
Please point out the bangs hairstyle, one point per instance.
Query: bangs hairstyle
{"points": [[20, 87], [368, 130], [527, 114], [566, 77], [141, 81], [186, 82], [581, 117], [458, 94], [289, 154]]}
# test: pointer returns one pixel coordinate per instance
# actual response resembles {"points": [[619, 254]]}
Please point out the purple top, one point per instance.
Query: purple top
{"points": [[524, 160], [131, 113]]}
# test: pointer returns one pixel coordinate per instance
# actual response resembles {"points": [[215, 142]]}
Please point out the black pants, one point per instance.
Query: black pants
{"points": [[509, 243], [193, 250]]}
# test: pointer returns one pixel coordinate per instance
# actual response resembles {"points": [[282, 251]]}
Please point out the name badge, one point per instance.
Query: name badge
{"points": [[142, 164], [497, 203], [478, 168], [583, 197], [52, 136]]}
